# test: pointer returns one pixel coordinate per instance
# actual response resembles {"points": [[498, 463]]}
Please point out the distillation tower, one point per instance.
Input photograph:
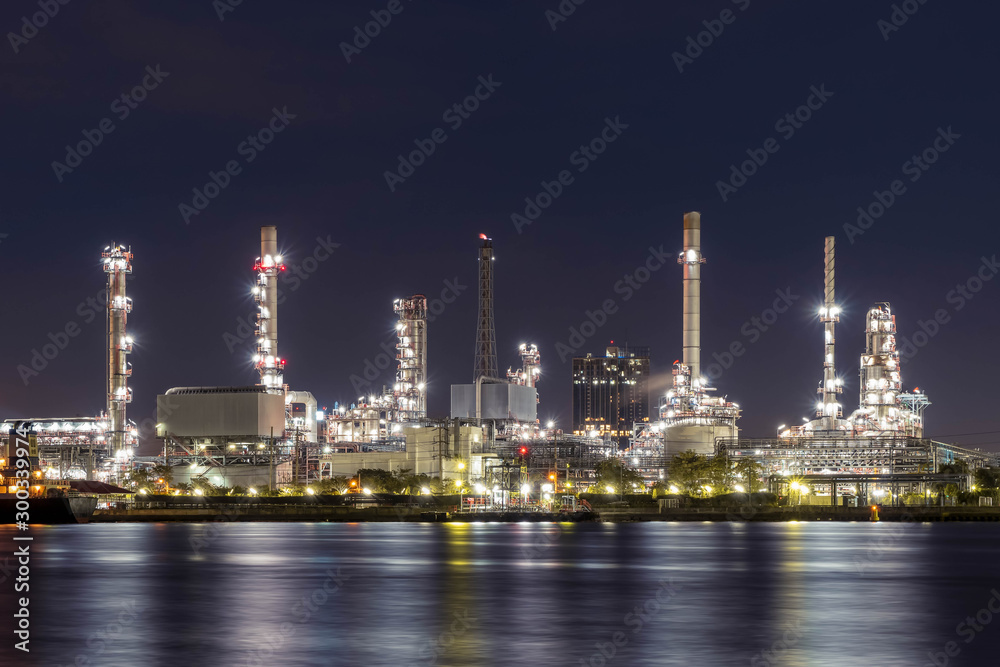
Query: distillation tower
{"points": [[268, 266], [117, 261], [410, 390], [531, 366]]}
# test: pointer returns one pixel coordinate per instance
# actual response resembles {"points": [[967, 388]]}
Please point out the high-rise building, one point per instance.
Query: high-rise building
{"points": [[611, 393]]}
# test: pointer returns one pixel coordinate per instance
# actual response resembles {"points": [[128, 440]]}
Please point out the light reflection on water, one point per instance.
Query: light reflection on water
{"points": [[511, 594]]}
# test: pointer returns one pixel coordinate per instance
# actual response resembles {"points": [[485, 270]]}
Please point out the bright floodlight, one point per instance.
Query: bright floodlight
{"points": [[310, 491], [525, 488], [739, 488], [550, 424], [610, 488], [461, 465], [367, 490], [253, 491], [198, 492], [424, 490], [480, 488], [674, 489], [458, 482]]}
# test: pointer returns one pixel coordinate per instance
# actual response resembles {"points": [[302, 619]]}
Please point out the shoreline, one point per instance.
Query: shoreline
{"points": [[606, 515]]}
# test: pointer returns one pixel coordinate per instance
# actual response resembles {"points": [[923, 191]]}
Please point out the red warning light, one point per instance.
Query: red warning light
{"points": [[523, 451], [482, 236]]}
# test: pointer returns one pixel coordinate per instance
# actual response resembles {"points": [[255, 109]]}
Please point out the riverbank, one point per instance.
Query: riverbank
{"points": [[322, 513]]}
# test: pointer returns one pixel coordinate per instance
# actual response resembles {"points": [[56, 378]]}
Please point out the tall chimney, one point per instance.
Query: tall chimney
{"points": [[267, 360], [692, 261]]}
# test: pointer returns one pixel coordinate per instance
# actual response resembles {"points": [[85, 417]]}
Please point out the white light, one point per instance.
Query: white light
{"points": [[424, 490], [739, 488], [253, 491], [367, 491], [310, 490], [525, 488]]}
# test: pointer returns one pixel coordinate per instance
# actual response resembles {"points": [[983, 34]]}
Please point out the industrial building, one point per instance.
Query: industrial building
{"points": [[611, 393]]}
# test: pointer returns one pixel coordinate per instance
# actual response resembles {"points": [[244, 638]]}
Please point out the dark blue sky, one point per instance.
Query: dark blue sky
{"points": [[323, 176]]}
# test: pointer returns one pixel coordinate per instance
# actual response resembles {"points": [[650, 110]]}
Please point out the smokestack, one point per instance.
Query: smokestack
{"points": [[829, 314], [692, 261], [269, 364]]}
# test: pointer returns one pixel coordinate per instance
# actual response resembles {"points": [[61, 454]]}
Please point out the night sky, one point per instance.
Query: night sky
{"points": [[880, 97]]}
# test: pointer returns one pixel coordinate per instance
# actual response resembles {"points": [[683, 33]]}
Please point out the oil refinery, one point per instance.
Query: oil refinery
{"points": [[274, 434]]}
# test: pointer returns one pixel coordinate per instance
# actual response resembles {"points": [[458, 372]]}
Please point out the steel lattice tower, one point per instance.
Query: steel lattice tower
{"points": [[486, 335]]}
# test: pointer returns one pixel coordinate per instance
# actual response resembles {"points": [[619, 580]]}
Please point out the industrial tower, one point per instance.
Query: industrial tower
{"points": [[829, 409], [268, 266], [486, 336], [411, 345], [117, 262], [692, 260]]}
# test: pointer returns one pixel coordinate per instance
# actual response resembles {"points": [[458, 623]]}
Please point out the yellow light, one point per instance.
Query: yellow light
{"points": [[458, 482], [253, 491], [739, 488], [674, 489], [461, 465], [552, 476], [610, 488], [310, 491]]}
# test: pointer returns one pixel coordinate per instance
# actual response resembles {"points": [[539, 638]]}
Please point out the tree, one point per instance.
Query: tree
{"points": [[688, 472], [750, 473], [614, 473]]}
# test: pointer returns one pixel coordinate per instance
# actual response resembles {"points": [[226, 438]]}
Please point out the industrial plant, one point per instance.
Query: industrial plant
{"points": [[274, 434]]}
